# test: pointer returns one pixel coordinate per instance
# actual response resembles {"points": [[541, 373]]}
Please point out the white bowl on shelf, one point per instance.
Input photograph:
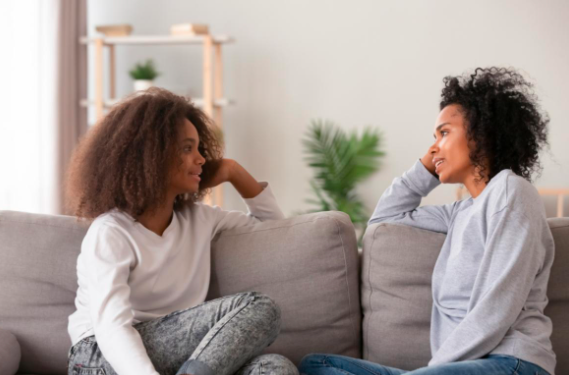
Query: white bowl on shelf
{"points": [[142, 84]]}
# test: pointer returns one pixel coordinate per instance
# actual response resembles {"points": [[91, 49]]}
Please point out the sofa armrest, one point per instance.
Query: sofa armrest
{"points": [[9, 353], [308, 265]]}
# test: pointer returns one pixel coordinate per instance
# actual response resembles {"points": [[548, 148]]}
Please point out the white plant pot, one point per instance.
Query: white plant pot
{"points": [[142, 84]]}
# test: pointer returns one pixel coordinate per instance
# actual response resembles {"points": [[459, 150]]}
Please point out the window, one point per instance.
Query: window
{"points": [[27, 106]]}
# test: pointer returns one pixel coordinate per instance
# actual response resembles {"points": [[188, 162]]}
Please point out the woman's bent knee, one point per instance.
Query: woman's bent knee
{"points": [[310, 361]]}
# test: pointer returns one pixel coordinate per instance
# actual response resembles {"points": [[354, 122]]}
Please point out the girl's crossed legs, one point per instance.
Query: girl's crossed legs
{"points": [[221, 337]]}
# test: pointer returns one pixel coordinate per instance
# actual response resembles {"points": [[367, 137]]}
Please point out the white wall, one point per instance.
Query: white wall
{"points": [[358, 63]]}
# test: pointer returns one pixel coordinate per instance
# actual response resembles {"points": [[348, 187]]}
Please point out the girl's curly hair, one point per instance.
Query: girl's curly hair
{"points": [[126, 160], [504, 122]]}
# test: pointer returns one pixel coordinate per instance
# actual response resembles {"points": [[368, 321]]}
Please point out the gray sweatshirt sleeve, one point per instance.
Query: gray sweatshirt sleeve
{"points": [[513, 255], [400, 202]]}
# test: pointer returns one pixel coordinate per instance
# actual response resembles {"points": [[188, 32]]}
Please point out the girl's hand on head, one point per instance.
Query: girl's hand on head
{"points": [[223, 174], [231, 171]]}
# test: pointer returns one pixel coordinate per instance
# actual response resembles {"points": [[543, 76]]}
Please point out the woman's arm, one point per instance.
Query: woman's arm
{"points": [[400, 202]]}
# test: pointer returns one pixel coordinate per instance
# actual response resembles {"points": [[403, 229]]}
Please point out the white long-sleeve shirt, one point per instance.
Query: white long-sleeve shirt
{"points": [[129, 274], [490, 280]]}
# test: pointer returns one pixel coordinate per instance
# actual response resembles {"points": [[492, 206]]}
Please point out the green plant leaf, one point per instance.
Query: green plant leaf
{"points": [[145, 70], [340, 162]]}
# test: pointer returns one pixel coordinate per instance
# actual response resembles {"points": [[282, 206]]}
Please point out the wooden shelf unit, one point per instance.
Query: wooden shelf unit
{"points": [[212, 101], [461, 192]]}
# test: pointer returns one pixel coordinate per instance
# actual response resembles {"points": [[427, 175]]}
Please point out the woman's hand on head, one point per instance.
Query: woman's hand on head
{"points": [[427, 161]]}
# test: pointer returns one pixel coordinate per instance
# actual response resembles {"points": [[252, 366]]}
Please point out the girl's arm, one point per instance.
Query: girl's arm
{"points": [[231, 171], [258, 197], [109, 258]]}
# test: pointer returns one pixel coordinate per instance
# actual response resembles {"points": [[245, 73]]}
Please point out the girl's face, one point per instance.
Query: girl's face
{"points": [[451, 151], [185, 177]]}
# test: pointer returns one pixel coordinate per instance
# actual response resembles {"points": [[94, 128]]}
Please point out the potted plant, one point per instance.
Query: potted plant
{"points": [[143, 75], [340, 162]]}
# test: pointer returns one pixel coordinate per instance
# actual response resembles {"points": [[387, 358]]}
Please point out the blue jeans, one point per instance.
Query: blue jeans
{"points": [[328, 364], [220, 337]]}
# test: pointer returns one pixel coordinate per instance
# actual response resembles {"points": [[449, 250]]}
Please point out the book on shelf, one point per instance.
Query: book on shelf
{"points": [[114, 30], [189, 29]]}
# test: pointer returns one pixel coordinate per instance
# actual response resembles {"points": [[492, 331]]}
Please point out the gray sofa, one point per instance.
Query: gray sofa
{"points": [[376, 306]]}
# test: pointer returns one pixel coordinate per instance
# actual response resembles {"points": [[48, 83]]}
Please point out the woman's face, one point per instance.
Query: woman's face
{"points": [[185, 177], [450, 151]]}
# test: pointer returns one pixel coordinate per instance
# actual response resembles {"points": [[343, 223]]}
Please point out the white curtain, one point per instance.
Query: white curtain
{"points": [[43, 76]]}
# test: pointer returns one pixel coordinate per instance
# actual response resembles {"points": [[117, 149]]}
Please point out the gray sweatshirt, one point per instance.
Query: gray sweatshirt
{"points": [[490, 280]]}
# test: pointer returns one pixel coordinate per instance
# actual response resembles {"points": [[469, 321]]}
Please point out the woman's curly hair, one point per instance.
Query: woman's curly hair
{"points": [[126, 160], [505, 125]]}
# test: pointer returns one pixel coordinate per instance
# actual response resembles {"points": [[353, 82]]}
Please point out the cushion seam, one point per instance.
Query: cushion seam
{"points": [[41, 224], [347, 281], [222, 234], [369, 279]]}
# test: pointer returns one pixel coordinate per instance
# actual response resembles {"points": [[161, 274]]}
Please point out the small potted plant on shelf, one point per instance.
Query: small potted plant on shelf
{"points": [[143, 75]]}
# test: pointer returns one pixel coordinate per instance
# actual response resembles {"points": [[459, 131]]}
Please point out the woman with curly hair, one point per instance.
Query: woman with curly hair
{"points": [[490, 279], [144, 267]]}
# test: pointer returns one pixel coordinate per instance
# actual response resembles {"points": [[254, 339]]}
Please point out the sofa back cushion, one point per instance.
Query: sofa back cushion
{"points": [[397, 266], [397, 263], [558, 293], [38, 282], [307, 264]]}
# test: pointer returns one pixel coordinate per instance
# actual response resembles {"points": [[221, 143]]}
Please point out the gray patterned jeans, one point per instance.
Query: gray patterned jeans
{"points": [[222, 337]]}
